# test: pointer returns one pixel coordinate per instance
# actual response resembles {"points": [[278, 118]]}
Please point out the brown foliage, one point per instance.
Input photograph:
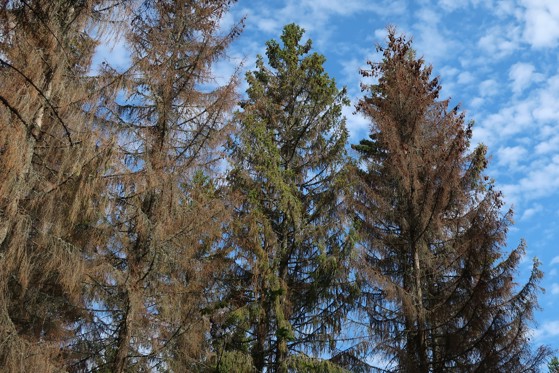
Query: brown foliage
{"points": [[440, 288], [108, 221], [51, 157], [166, 215]]}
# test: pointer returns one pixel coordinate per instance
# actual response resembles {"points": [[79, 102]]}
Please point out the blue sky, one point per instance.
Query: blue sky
{"points": [[497, 58]]}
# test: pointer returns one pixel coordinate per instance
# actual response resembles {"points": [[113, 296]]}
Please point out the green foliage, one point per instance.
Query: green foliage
{"points": [[234, 362], [289, 166], [305, 364]]}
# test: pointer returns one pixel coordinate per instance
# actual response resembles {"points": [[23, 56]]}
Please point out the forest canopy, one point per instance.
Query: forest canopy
{"points": [[152, 220]]}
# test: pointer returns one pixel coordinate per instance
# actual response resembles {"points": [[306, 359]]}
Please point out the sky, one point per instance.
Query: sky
{"points": [[498, 59]]}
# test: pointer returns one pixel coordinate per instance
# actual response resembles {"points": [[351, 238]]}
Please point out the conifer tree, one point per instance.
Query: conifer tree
{"points": [[440, 289], [289, 293], [52, 157], [553, 365], [166, 217]]}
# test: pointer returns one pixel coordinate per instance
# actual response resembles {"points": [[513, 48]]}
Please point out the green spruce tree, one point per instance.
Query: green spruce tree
{"points": [[290, 290]]}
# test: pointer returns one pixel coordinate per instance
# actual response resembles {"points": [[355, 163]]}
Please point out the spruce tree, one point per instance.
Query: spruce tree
{"points": [[439, 286], [290, 245]]}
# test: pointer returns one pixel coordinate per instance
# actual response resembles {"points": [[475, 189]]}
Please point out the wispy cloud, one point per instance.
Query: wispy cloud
{"points": [[530, 212], [500, 41], [511, 156], [453, 5], [547, 330], [114, 51], [541, 18], [522, 76], [539, 182], [357, 125], [525, 132], [313, 15], [431, 38]]}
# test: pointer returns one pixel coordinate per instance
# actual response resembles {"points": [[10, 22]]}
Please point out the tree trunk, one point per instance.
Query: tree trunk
{"points": [[124, 336], [286, 252], [421, 346], [261, 333]]}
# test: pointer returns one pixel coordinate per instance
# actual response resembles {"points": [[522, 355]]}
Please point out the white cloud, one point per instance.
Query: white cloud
{"points": [[555, 260], [465, 77], [500, 41], [529, 212], [113, 51], [555, 288], [513, 119], [384, 7], [522, 75], [526, 133], [357, 125], [546, 330], [335, 7], [476, 103], [510, 156], [539, 182], [541, 18], [350, 73], [429, 16], [380, 34], [547, 109], [505, 8], [488, 87], [430, 38], [269, 25], [452, 5], [534, 112], [548, 146], [314, 16], [449, 71]]}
